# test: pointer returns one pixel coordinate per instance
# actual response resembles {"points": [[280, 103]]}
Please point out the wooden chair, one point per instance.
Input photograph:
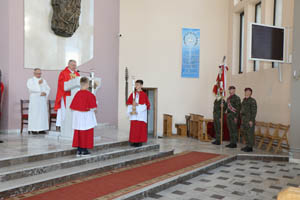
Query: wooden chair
{"points": [[259, 130], [284, 138], [167, 125], [24, 113], [273, 135], [277, 137], [265, 132], [52, 113]]}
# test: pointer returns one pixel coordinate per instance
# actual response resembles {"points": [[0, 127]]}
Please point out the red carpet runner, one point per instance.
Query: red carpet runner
{"points": [[119, 182]]}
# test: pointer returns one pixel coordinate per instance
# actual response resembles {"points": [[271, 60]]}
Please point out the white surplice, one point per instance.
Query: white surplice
{"points": [[38, 117], [84, 120], [141, 111]]}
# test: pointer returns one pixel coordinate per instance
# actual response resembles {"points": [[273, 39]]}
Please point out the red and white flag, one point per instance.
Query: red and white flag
{"points": [[220, 85]]}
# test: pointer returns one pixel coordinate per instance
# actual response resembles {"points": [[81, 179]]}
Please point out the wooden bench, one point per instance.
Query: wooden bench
{"points": [[290, 193], [181, 129]]}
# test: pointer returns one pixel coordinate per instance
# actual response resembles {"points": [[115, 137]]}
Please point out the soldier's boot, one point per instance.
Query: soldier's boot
{"points": [[244, 148], [231, 145], [248, 149], [216, 142]]}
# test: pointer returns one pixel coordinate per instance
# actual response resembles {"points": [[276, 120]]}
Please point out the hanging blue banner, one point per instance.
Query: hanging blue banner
{"points": [[190, 53]]}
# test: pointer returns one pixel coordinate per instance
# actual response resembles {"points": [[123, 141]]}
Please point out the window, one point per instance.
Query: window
{"points": [[257, 20], [277, 20], [241, 62]]}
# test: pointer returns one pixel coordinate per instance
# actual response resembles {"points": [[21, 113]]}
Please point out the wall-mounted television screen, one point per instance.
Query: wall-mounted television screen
{"points": [[266, 43]]}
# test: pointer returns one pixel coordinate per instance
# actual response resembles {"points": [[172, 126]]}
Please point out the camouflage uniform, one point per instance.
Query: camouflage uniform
{"points": [[248, 113], [233, 112], [217, 117]]}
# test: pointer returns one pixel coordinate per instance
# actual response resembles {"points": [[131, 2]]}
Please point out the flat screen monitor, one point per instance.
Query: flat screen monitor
{"points": [[266, 43]]}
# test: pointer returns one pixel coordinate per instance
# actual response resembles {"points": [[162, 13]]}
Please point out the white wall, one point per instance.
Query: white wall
{"points": [[151, 48], [273, 97]]}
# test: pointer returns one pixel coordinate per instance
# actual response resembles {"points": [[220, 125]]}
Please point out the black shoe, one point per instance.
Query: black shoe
{"points": [[228, 145], [42, 132], [1, 141], [86, 153], [78, 154], [140, 144], [216, 142], [132, 144], [248, 149], [244, 148], [231, 145], [34, 132]]}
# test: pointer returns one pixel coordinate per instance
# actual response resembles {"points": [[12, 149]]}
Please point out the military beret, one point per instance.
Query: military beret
{"points": [[248, 89]]}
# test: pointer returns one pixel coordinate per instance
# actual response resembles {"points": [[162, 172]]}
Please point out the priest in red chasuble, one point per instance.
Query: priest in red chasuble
{"points": [[84, 120], [60, 102], [138, 104]]}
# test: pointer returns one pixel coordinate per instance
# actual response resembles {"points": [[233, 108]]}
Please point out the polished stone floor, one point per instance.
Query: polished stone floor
{"points": [[16, 144], [239, 180]]}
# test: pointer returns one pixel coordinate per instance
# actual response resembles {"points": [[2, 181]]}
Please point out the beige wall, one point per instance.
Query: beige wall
{"points": [[151, 48], [273, 96], [295, 88]]}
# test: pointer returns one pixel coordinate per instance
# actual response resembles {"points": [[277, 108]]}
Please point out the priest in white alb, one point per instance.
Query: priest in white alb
{"points": [[38, 121]]}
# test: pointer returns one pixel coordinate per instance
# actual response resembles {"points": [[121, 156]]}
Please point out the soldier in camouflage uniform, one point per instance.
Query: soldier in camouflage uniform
{"points": [[233, 112], [248, 114], [217, 118]]}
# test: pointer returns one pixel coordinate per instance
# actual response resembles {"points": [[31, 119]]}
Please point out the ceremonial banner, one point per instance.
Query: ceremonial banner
{"points": [[190, 53]]}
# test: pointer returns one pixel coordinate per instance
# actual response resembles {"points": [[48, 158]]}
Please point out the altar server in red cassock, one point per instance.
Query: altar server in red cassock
{"points": [[60, 102], [138, 119], [84, 120]]}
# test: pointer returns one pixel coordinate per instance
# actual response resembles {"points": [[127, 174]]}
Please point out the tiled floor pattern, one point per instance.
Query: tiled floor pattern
{"points": [[239, 180]]}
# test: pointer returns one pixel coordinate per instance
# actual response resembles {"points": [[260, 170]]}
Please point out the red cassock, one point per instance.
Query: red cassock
{"points": [[138, 128], [61, 93], [83, 101]]}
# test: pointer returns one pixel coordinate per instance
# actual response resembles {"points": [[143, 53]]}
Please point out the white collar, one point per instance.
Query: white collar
{"points": [[37, 78], [71, 70]]}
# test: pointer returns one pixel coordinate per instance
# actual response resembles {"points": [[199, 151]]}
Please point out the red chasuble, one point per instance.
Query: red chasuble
{"points": [[83, 101], [138, 129], [61, 93]]}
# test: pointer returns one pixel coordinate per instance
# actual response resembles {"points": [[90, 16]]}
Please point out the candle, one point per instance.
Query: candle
{"points": [[133, 88]]}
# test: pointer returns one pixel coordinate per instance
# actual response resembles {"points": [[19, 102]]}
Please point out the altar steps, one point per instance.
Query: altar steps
{"points": [[28, 173]]}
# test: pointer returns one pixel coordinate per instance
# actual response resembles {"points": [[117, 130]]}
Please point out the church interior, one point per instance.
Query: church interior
{"points": [[152, 121]]}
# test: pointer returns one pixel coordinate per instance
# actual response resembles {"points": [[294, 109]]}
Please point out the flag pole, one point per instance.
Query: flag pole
{"points": [[222, 104]]}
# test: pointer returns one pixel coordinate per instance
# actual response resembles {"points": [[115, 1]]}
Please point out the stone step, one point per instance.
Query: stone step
{"points": [[29, 184], [45, 166], [54, 154], [172, 181]]}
